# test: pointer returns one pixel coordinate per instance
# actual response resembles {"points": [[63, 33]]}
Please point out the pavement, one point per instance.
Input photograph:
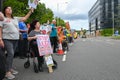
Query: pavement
{"points": [[96, 58]]}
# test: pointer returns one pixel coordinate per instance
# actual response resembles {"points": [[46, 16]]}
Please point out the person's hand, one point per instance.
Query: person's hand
{"points": [[1, 16], [1, 43], [32, 9], [35, 37]]}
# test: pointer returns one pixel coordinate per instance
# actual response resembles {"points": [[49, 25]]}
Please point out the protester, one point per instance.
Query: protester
{"points": [[54, 36], [9, 32], [23, 42], [54, 39], [2, 64], [35, 29], [2, 55]]}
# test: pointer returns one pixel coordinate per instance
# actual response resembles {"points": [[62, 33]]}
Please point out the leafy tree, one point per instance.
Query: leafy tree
{"points": [[42, 13], [20, 9]]}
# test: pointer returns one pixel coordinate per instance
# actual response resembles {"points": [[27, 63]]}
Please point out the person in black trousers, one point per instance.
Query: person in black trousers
{"points": [[2, 64], [54, 39]]}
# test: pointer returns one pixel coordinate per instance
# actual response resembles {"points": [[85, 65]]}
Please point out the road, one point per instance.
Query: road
{"points": [[88, 59]]}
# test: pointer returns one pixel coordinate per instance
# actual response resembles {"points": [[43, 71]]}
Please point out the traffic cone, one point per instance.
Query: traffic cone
{"points": [[60, 51]]}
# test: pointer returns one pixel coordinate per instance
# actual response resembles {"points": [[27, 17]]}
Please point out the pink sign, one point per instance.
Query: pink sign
{"points": [[44, 45]]}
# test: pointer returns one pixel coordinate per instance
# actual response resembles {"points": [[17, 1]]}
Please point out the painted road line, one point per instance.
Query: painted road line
{"points": [[64, 58]]}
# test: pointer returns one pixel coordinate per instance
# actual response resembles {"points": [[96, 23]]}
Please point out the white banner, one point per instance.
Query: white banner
{"points": [[33, 3]]}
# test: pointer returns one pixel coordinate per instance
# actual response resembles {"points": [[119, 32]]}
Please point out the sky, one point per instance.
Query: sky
{"points": [[73, 11]]}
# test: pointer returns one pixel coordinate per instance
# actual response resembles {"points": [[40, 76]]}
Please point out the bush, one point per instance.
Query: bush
{"points": [[107, 32]]}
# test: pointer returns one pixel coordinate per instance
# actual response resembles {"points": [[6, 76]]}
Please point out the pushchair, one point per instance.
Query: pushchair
{"points": [[31, 54]]}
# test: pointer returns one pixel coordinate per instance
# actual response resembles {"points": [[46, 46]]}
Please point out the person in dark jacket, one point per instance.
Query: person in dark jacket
{"points": [[2, 55], [2, 64]]}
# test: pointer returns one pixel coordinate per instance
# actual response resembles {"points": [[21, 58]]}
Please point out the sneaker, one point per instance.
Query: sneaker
{"points": [[14, 71], [9, 75]]}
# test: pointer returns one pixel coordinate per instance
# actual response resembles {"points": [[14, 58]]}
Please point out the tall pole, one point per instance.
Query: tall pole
{"points": [[58, 21], [58, 14], [113, 17]]}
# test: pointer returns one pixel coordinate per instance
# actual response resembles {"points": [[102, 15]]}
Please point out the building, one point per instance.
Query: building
{"points": [[104, 14]]}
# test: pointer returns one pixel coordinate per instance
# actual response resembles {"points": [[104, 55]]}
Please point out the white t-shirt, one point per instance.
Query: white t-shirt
{"points": [[10, 29]]}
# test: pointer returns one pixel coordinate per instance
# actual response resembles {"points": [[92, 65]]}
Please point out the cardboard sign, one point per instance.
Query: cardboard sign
{"points": [[44, 45], [45, 29], [49, 60], [33, 3]]}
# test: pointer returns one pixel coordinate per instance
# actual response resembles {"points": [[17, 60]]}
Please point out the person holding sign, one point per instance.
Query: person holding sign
{"points": [[9, 36], [35, 30]]}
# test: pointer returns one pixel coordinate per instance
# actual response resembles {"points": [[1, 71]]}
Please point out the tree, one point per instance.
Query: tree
{"points": [[20, 9]]}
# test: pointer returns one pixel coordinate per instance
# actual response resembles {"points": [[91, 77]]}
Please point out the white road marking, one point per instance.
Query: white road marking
{"points": [[64, 58]]}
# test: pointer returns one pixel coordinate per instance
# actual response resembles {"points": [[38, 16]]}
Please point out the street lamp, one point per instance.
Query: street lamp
{"points": [[58, 12], [113, 16]]}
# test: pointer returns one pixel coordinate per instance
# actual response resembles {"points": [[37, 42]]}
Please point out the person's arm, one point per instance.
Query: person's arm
{"points": [[31, 36], [1, 16], [1, 41], [27, 16], [22, 31]]}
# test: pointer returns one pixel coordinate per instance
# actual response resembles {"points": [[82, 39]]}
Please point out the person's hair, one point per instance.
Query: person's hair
{"points": [[5, 9], [32, 25]]}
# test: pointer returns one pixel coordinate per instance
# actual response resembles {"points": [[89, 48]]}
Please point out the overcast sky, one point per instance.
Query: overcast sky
{"points": [[74, 11]]}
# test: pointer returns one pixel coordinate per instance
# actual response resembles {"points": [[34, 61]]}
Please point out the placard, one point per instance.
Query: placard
{"points": [[44, 45], [49, 60], [33, 3]]}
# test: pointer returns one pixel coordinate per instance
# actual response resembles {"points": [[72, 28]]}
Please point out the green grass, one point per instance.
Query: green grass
{"points": [[116, 37]]}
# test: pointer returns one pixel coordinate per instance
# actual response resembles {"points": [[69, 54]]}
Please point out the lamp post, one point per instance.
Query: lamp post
{"points": [[58, 12], [113, 26]]}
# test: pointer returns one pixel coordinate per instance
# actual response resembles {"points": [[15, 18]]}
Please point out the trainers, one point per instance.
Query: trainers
{"points": [[9, 75], [14, 71]]}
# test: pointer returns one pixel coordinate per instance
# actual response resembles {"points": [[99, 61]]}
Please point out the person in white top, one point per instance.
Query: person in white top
{"points": [[9, 36]]}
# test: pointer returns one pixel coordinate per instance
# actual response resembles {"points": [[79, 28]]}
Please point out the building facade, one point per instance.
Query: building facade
{"points": [[104, 14]]}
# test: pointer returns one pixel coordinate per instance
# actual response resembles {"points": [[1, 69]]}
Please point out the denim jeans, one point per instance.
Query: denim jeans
{"points": [[10, 46]]}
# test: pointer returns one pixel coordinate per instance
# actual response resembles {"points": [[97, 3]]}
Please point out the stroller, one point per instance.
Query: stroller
{"points": [[32, 55]]}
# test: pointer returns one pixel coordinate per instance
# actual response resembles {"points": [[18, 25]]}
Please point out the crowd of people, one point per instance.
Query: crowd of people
{"points": [[14, 33]]}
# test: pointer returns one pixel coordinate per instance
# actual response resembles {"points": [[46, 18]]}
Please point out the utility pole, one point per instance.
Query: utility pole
{"points": [[113, 17], [58, 20]]}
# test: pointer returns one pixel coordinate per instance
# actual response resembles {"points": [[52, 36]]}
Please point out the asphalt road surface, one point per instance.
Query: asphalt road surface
{"points": [[88, 59]]}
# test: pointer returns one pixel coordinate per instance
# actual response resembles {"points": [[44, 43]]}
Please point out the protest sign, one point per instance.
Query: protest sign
{"points": [[45, 29], [49, 60], [33, 3], [44, 45]]}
